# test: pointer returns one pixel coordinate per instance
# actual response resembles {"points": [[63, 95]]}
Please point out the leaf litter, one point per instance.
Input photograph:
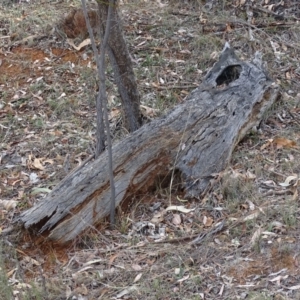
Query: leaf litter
{"points": [[240, 241]]}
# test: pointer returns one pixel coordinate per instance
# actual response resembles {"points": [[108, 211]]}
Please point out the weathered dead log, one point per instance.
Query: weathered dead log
{"points": [[196, 139]]}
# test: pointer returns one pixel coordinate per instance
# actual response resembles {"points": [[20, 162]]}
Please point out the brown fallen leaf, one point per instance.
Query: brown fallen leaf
{"points": [[37, 164], [284, 143], [207, 221], [149, 111]]}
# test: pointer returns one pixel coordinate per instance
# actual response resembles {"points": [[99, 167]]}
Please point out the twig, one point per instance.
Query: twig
{"points": [[205, 235], [197, 238], [174, 87], [100, 146], [269, 12]]}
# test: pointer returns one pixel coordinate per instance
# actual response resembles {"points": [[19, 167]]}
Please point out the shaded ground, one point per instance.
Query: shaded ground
{"points": [[47, 126]]}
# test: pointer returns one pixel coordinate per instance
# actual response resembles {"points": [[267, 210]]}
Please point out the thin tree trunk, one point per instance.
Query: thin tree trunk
{"points": [[103, 99], [122, 67], [100, 138]]}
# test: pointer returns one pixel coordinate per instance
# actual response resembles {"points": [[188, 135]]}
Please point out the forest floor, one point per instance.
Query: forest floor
{"points": [[47, 122]]}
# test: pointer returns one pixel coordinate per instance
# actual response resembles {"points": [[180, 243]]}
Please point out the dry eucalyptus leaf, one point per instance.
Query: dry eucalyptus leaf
{"points": [[180, 208], [8, 204], [137, 277], [176, 219], [288, 181]]}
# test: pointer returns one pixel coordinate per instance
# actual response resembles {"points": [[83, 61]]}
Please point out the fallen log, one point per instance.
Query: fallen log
{"points": [[196, 139]]}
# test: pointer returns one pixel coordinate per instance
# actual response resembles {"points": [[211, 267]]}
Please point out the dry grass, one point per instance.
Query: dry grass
{"points": [[47, 113]]}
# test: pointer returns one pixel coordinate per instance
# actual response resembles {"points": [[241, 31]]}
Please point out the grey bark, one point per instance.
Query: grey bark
{"points": [[103, 98], [196, 138], [122, 67]]}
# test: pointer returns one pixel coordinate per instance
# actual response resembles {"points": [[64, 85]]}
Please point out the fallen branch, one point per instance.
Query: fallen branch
{"points": [[195, 140]]}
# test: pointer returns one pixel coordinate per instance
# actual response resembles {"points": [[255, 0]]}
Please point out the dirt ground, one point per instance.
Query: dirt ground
{"points": [[47, 127]]}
